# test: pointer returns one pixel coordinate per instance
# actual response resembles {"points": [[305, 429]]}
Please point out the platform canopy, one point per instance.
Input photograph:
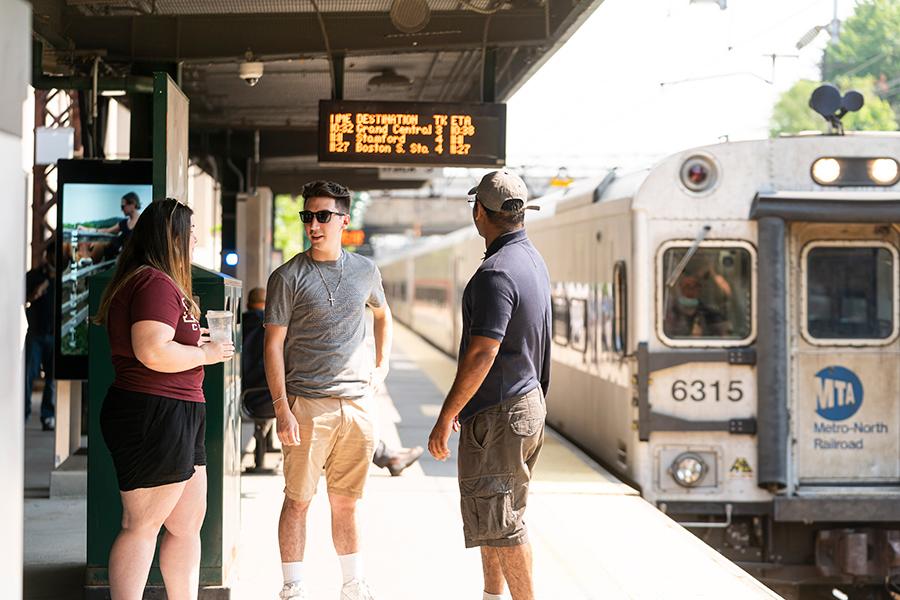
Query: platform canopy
{"points": [[411, 50]]}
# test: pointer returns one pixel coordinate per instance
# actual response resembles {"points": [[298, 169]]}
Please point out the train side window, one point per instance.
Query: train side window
{"points": [[620, 308], [578, 324], [709, 303], [849, 293], [560, 308]]}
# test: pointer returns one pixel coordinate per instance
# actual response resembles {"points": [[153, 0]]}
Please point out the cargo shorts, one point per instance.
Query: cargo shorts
{"points": [[336, 434], [498, 448]]}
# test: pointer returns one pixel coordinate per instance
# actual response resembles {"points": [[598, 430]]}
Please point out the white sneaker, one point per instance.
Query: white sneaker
{"points": [[294, 590], [356, 589]]}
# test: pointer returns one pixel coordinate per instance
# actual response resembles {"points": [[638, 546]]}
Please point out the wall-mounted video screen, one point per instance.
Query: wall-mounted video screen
{"points": [[98, 205]]}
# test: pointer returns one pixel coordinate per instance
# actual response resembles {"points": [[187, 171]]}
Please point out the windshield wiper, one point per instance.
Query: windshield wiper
{"points": [[679, 268]]}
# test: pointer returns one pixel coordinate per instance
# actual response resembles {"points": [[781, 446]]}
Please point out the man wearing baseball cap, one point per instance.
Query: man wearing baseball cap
{"points": [[497, 397]]}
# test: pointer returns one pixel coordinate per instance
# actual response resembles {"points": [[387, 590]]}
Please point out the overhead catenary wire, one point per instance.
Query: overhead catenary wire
{"points": [[851, 69]]}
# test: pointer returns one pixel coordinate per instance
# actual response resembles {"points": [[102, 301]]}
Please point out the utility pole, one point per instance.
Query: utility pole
{"points": [[835, 24], [835, 30]]}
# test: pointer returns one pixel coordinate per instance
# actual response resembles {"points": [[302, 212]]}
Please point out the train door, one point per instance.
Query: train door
{"points": [[845, 354]]}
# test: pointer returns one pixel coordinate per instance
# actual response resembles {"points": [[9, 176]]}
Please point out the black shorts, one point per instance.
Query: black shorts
{"points": [[153, 440]]}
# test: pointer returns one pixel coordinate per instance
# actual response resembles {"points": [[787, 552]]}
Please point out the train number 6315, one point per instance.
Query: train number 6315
{"points": [[699, 390]]}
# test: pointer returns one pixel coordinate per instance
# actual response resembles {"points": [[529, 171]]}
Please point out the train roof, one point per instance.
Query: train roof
{"points": [[547, 202], [746, 169]]}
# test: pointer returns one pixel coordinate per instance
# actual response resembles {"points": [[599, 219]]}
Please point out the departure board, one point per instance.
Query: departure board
{"points": [[411, 133]]}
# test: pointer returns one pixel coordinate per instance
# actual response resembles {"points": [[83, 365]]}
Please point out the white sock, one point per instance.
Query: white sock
{"points": [[292, 571], [487, 596], [351, 566]]}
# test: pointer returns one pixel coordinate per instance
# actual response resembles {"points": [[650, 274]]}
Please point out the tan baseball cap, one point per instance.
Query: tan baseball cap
{"points": [[497, 187]]}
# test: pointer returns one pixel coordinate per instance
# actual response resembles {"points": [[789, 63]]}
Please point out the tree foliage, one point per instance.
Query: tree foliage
{"points": [[792, 113], [866, 57], [289, 237], [869, 44]]}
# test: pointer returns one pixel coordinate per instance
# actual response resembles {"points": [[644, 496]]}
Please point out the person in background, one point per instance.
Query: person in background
{"points": [[395, 460], [153, 418], [39, 294], [131, 208], [253, 373]]}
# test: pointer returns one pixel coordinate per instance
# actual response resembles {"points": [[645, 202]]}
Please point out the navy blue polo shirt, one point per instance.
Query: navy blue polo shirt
{"points": [[508, 299]]}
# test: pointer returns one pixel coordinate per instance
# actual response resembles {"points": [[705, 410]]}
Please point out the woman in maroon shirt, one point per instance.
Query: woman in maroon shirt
{"points": [[153, 418]]}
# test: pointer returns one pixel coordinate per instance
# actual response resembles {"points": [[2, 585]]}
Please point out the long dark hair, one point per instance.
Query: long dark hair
{"points": [[161, 240]]}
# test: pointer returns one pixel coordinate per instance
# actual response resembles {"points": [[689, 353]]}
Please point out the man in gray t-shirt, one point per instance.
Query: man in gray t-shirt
{"points": [[321, 374], [325, 354]]}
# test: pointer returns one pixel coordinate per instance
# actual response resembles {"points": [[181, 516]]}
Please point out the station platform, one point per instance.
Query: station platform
{"points": [[593, 536]]}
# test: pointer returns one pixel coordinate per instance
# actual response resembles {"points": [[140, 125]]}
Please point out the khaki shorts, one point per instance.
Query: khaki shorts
{"points": [[336, 434], [498, 448]]}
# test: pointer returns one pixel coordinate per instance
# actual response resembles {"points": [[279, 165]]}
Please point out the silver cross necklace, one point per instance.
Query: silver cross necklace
{"points": [[340, 278]]}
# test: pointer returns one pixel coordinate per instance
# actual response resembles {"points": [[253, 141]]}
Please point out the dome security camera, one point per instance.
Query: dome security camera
{"points": [[251, 72]]}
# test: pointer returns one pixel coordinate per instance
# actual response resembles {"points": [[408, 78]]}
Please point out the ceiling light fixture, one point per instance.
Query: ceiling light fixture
{"points": [[410, 16], [389, 78]]}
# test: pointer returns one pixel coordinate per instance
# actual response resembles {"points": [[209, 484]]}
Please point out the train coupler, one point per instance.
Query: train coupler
{"points": [[858, 552]]}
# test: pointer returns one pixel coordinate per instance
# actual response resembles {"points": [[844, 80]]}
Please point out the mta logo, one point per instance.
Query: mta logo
{"points": [[839, 393]]}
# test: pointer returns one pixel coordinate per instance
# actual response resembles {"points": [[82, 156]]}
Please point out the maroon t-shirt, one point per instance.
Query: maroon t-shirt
{"points": [[152, 296]]}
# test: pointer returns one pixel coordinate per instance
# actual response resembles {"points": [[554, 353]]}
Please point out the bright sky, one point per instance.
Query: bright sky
{"points": [[608, 75]]}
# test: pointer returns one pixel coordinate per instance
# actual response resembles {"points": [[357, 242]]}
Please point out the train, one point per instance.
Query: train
{"points": [[726, 339]]}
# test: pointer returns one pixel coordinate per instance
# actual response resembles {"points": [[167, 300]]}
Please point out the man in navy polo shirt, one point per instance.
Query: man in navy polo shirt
{"points": [[497, 398]]}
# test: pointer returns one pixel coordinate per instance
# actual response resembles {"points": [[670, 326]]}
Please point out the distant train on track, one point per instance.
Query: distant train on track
{"points": [[726, 337]]}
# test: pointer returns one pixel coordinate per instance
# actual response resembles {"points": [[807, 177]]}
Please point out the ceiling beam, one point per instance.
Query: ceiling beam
{"points": [[216, 37], [273, 143], [289, 177], [290, 182]]}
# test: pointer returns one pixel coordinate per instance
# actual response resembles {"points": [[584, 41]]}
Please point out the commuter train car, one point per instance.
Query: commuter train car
{"points": [[726, 337]]}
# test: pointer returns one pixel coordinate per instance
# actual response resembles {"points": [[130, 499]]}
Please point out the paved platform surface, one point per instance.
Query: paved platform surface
{"points": [[593, 537]]}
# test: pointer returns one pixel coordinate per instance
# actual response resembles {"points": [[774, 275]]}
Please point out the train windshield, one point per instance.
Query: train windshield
{"points": [[711, 297], [850, 292]]}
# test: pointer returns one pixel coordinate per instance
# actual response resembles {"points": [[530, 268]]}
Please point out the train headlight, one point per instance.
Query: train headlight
{"points": [[826, 171], [688, 469], [883, 171], [699, 173], [855, 171]]}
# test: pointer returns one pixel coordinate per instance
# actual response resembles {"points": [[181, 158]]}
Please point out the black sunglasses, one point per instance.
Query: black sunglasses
{"points": [[322, 216]]}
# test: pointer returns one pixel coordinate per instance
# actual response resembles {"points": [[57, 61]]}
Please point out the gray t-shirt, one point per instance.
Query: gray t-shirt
{"points": [[325, 352]]}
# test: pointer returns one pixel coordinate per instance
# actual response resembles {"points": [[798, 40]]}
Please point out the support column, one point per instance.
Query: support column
{"points": [[15, 64], [337, 61], [231, 180], [772, 361], [68, 420], [489, 76], [141, 144]]}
